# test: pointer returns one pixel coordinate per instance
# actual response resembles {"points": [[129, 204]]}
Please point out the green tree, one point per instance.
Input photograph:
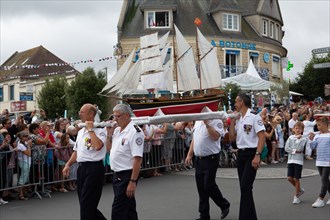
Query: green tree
{"points": [[52, 97], [234, 90], [85, 89], [311, 82]]}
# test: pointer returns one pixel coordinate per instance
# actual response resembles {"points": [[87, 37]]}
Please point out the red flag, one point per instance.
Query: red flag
{"points": [[197, 21]]}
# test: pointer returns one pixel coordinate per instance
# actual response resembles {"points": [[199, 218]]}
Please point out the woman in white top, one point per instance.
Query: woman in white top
{"points": [[24, 160]]}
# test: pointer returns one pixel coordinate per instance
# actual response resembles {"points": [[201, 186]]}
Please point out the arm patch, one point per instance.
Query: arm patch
{"points": [[137, 128]]}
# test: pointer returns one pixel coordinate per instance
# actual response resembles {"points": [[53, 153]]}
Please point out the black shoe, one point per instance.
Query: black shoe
{"points": [[224, 213]]}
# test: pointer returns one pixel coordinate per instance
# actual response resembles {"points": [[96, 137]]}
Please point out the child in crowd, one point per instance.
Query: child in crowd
{"points": [[24, 161], [63, 157], [321, 141], [295, 147]]}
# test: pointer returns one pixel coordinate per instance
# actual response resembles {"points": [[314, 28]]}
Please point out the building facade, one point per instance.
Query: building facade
{"points": [[241, 30], [23, 75]]}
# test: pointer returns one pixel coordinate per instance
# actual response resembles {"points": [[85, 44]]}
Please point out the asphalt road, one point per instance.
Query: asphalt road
{"points": [[174, 196]]}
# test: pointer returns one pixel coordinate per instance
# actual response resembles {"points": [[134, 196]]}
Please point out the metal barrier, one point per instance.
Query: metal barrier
{"points": [[45, 168]]}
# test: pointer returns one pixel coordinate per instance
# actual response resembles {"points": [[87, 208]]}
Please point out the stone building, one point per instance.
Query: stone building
{"points": [[240, 29], [23, 75]]}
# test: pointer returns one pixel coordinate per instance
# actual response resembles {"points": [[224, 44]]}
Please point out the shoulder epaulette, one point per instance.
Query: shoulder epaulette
{"points": [[137, 128]]}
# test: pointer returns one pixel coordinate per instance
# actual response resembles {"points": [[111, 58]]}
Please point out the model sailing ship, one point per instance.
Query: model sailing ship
{"points": [[154, 71]]}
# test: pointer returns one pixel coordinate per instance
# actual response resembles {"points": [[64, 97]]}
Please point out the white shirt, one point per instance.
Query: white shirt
{"points": [[83, 153], [203, 144], [291, 124], [247, 129], [20, 155], [309, 127], [125, 146]]}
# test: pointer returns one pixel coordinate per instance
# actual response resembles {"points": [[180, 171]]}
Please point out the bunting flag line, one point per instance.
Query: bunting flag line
{"points": [[252, 101], [37, 75], [36, 66]]}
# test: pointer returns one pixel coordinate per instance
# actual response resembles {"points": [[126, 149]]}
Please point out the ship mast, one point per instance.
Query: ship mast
{"points": [[198, 63], [175, 61]]}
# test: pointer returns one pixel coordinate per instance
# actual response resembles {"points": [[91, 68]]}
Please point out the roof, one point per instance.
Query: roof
{"points": [[185, 12], [34, 63]]}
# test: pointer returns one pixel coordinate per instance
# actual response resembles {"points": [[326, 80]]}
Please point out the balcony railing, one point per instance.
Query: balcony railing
{"points": [[230, 71]]}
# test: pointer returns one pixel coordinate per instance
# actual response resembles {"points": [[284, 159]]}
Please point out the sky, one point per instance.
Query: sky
{"points": [[87, 30]]}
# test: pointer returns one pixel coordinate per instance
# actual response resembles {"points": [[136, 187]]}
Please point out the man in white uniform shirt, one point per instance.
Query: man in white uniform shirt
{"points": [[126, 151], [206, 147], [89, 152], [292, 122], [249, 132]]}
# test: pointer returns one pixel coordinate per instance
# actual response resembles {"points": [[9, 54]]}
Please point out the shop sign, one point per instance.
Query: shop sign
{"points": [[26, 96], [321, 50], [234, 44], [321, 65]]}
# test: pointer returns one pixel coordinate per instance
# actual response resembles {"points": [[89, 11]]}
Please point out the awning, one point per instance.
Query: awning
{"points": [[254, 54], [276, 59], [236, 52]]}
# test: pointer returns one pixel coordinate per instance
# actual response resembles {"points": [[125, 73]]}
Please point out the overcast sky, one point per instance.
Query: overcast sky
{"points": [[84, 30]]}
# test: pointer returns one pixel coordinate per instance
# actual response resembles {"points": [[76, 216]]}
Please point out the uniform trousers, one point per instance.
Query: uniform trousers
{"points": [[123, 208], [205, 173], [90, 177], [246, 175]]}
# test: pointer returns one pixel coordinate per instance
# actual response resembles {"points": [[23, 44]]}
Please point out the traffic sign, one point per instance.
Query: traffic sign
{"points": [[321, 65], [321, 50]]}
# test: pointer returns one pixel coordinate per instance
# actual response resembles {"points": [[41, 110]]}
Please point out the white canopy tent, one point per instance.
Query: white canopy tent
{"points": [[250, 80]]}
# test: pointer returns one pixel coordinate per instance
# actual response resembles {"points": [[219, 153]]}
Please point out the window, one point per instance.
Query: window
{"points": [[232, 59], [1, 94], [271, 30], [11, 92], [254, 56], [158, 19], [264, 27], [230, 22], [276, 66], [277, 29]]}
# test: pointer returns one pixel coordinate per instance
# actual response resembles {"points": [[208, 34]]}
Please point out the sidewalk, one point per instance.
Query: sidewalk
{"points": [[174, 197]]}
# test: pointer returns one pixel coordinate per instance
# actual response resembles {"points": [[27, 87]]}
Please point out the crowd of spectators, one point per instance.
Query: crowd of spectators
{"points": [[36, 145]]}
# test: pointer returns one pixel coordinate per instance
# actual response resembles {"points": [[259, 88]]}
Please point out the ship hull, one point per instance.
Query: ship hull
{"points": [[148, 107]]}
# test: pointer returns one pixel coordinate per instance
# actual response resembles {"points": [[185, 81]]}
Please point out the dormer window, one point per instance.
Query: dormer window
{"points": [[230, 22], [265, 27], [271, 30], [158, 19]]}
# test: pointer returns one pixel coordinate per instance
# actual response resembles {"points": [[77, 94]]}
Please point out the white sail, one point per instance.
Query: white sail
{"points": [[186, 71], [130, 81], [119, 75], [150, 54], [168, 73], [160, 79], [163, 40], [209, 66]]}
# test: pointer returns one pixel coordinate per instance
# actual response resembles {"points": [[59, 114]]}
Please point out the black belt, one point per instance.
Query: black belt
{"points": [[87, 163], [247, 149], [122, 172], [207, 157]]}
